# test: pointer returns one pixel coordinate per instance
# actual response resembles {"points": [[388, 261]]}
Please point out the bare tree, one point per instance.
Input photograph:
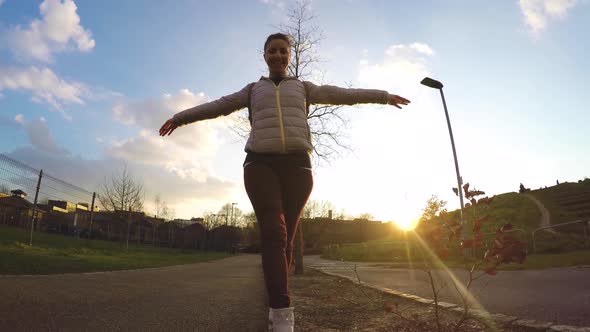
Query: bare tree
{"points": [[213, 220], [317, 209], [366, 216], [159, 205], [327, 123], [249, 219], [232, 215], [161, 209], [122, 192]]}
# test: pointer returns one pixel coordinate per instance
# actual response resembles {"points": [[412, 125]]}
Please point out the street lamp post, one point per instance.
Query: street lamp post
{"points": [[429, 82]]}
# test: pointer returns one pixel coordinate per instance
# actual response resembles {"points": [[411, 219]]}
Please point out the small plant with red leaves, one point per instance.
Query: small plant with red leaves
{"points": [[440, 236]]}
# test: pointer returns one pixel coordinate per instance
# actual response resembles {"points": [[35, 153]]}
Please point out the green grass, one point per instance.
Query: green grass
{"points": [[539, 261], [532, 262], [52, 254], [544, 261]]}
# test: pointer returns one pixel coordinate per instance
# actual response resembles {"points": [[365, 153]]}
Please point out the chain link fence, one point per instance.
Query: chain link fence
{"points": [[28, 195]]}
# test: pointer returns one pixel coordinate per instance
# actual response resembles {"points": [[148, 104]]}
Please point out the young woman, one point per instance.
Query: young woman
{"points": [[277, 169]]}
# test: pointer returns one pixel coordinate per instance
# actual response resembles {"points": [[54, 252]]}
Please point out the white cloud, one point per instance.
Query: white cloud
{"points": [[58, 30], [403, 66], [186, 156], [20, 119], [179, 167], [278, 3], [39, 135], [200, 138], [1, 2], [151, 113], [44, 85], [538, 12]]}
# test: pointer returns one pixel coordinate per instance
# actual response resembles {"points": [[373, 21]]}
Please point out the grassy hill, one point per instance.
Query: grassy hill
{"points": [[567, 201], [509, 208]]}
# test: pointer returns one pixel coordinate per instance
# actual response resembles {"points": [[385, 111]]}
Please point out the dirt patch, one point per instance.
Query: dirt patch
{"points": [[327, 303]]}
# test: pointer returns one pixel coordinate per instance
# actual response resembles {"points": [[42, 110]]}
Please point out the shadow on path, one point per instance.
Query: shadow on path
{"points": [[222, 295]]}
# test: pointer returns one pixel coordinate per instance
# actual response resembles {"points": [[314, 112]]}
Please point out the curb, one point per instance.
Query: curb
{"points": [[490, 319]]}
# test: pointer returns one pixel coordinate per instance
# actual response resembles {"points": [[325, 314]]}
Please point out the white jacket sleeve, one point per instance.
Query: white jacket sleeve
{"points": [[222, 106], [333, 95]]}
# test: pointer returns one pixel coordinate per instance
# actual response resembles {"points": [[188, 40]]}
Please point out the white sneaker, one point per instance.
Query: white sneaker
{"points": [[281, 320]]}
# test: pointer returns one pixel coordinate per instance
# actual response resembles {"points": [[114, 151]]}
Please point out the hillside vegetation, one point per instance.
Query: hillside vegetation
{"points": [[566, 202]]}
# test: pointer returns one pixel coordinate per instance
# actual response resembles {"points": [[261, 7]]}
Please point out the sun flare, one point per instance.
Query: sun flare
{"points": [[407, 224]]}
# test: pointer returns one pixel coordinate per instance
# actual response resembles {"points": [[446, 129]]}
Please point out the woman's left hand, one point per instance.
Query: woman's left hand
{"points": [[396, 101], [168, 127]]}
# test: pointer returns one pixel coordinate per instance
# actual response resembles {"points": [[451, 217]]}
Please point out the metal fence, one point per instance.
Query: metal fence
{"points": [[584, 222]]}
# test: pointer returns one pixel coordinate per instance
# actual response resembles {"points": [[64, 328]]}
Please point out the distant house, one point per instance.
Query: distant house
{"points": [[144, 229], [193, 236], [167, 233], [15, 210], [109, 225], [224, 238], [63, 206], [151, 229], [66, 217]]}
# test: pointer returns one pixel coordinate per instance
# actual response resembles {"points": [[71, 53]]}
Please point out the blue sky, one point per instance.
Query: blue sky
{"points": [[85, 85]]}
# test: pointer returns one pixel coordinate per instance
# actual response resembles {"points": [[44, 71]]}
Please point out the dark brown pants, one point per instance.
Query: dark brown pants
{"points": [[278, 192]]}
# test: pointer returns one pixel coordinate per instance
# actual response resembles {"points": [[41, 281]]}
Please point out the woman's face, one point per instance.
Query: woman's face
{"points": [[277, 55]]}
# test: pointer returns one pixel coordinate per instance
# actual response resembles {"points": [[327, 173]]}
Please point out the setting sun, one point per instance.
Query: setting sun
{"points": [[406, 224]]}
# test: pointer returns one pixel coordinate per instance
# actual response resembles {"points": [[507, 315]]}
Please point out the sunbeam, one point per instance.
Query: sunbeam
{"points": [[463, 291]]}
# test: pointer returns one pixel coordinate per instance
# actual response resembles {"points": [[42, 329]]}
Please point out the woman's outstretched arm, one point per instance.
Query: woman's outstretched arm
{"points": [[333, 95], [222, 106]]}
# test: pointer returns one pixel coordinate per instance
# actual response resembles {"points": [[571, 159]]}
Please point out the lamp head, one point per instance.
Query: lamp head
{"points": [[429, 82]]}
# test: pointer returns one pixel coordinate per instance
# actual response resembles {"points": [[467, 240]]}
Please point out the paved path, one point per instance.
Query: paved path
{"points": [[556, 295], [223, 295], [228, 295], [545, 220]]}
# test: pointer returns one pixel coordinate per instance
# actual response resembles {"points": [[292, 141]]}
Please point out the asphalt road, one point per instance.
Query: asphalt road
{"points": [[561, 296], [228, 295], [224, 295]]}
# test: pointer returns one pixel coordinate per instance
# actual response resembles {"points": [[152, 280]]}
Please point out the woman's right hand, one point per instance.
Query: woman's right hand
{"points": [[168, 127]]}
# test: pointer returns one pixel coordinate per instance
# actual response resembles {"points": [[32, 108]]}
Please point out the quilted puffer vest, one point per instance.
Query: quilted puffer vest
{"points": [[278, 117]]}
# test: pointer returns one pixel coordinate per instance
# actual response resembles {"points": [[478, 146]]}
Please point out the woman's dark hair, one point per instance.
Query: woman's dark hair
{"points": [[278, 35]]}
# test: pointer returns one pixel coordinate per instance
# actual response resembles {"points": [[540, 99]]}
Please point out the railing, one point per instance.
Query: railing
{"points": [[586, 242]]}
